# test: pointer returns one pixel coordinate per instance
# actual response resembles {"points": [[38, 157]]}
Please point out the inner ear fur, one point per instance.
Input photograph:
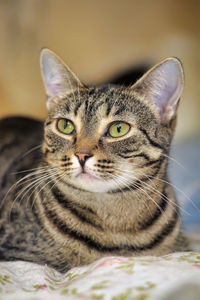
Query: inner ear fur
{"points": [[162, 85], [58, 79]]}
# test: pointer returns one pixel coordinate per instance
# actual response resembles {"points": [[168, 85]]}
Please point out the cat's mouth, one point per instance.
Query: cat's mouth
{"points": [[85, 176], [89, 181]]}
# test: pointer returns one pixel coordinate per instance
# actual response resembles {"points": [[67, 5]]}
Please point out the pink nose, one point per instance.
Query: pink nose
{"points": [[82, 157]]}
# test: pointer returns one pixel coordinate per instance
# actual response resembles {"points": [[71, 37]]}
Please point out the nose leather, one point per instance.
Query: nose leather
{"points": [[82, 157]]}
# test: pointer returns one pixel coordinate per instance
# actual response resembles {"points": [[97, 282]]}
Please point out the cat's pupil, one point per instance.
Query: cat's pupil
{"points": [[119, 128], [65, 124]]}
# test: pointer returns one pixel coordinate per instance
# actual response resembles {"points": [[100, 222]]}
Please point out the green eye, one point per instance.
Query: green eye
{"points": [[65, 126], [118, 129]]}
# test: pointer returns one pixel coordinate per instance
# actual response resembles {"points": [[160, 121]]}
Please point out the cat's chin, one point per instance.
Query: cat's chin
{"points": [[86, 177], [90, 183]]}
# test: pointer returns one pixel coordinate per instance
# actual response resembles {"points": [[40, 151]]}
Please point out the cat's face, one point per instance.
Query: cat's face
{"points": [[105, 139], [96, 139]]}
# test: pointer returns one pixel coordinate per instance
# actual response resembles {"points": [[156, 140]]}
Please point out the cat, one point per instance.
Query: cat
{"points": [[92, 180]]}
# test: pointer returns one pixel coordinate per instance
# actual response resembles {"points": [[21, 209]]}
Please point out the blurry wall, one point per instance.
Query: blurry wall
{"points": [[96, 39]]}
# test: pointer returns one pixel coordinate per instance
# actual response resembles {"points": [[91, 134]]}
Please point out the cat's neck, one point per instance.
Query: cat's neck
{"points": [[130, 208]]}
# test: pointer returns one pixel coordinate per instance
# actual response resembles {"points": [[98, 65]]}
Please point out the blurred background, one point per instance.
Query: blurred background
{"points": [[98, 40]]}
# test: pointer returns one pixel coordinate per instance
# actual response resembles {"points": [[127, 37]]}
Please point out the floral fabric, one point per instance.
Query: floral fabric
{"points": [[174, 276]]}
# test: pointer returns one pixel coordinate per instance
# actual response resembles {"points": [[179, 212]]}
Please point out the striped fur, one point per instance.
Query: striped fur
{"points": [[125, 206]]}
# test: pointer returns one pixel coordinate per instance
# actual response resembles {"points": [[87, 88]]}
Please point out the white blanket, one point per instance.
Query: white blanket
{"points": [[172, 277]]}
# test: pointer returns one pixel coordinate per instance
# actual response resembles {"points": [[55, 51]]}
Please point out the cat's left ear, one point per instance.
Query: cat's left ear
{"points": [[163, 85], [58, 79]]}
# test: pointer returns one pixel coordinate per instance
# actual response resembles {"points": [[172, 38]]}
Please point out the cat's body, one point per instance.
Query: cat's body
{"points": [[88, 191]]}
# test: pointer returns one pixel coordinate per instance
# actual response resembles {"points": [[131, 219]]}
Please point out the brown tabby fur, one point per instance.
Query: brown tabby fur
{"points": [[47, 215]]}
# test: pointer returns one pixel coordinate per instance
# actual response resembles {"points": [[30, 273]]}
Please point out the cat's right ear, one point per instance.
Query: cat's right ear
{"points": [[162, 85], [59, 80]]}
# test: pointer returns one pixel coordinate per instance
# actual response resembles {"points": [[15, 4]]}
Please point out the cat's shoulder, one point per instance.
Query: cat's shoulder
{"points": [[24, 125], [17, 136], [22, 128]]}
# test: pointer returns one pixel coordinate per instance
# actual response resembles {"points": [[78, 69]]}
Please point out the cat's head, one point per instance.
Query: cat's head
{"points": [[109, 138]]}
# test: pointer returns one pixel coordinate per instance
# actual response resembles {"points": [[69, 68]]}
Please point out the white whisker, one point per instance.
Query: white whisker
{"points": [[31, 150]]}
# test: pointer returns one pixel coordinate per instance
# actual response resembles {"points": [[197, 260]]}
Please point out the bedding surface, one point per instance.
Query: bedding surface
{"points": [[174, 276]]}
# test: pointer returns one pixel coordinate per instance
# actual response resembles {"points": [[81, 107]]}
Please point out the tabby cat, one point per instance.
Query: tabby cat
{"points": [[91, 181]]}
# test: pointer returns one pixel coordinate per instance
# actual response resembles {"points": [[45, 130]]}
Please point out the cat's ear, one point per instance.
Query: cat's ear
{"points": [[58, 79], [163, 85]]}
